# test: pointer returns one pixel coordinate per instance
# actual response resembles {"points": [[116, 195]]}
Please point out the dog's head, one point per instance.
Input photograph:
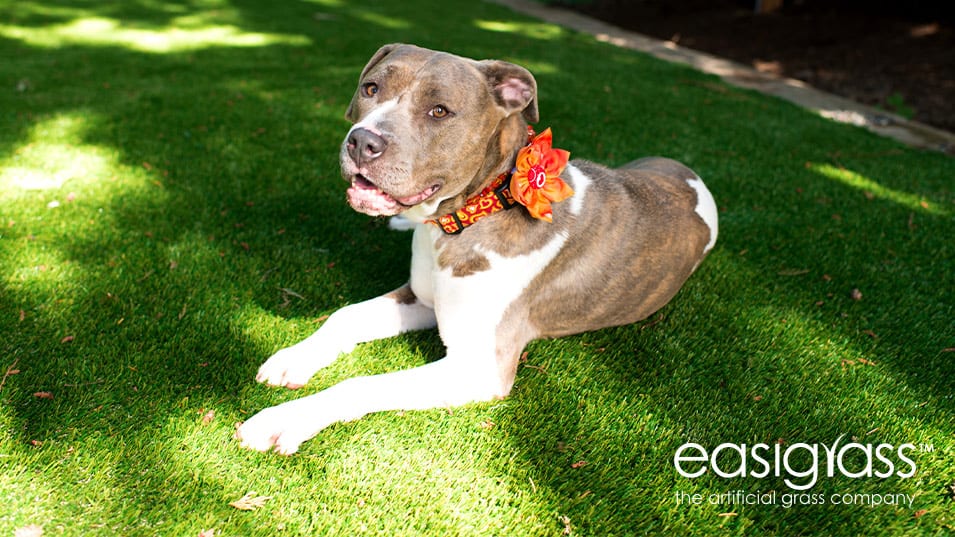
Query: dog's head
{"points": [[430, 126]]}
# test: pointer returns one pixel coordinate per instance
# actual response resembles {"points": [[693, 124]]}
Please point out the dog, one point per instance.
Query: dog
{"points": [[441, 142]]}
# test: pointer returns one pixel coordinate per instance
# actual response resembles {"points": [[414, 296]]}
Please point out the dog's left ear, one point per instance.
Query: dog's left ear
{"points": [[514, 88]]}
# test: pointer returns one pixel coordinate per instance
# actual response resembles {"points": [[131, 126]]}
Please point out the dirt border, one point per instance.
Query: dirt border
{"points": [[825, 104]]}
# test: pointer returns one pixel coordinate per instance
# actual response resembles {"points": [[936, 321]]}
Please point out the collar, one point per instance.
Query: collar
{"points": [[534, 182], [494, 198]]}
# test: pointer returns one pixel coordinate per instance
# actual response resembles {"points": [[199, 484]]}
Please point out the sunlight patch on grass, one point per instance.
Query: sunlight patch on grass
{"points": [[53, 154], [526, 29], [327, 3], [102, 31], [863, 183], [265, 329], [382, 20], [537, 67]]}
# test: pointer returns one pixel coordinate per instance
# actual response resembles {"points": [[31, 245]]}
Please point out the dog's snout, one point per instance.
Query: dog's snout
{"points": [[365, 146]]}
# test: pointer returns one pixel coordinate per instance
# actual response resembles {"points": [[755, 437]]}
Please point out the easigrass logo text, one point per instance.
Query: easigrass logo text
{"points": [[800, 465]]}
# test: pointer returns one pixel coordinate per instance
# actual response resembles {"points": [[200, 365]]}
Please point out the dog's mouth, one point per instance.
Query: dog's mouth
{"points": [[365, 197]]}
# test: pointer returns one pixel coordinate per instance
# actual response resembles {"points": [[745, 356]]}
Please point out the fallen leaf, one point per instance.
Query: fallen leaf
{"points": [[208, 417], [855, 294], [870, 333], [36, 443], [579, 464], [250, 502], [28, 531], [863, 361], [208, 533], [565, 520], [920, 513], [23, 315], [43, 395], [67, 339], [12, 370], [487, 425]]}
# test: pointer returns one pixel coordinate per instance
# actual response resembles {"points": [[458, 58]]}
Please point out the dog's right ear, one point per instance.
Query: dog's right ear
{"points": [[514, 88], [351, 113]]}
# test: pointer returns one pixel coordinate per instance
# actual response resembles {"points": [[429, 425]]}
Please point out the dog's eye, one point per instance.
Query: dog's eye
{"points": [[369, 89], [439, 112]]}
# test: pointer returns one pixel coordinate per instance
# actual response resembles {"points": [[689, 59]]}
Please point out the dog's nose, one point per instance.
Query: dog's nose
{"points": [[365, 146]]}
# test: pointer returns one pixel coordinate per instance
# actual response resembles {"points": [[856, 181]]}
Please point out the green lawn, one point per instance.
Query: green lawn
{"points": [[171, 213]]}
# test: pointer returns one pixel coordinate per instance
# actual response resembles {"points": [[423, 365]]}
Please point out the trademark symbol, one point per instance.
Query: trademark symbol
{"points": [[926, 448]]}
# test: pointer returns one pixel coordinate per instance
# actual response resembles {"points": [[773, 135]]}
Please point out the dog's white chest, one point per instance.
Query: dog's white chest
{"points": [[469, 308]]}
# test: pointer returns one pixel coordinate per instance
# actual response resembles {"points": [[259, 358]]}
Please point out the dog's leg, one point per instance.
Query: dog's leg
{"points": [[480, 366], [451, 381], [378, 318]]}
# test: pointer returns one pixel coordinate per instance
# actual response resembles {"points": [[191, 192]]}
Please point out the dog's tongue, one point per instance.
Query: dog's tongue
{"points": [[371, 200]]}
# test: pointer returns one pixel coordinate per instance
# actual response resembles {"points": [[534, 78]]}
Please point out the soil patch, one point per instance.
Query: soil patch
{"points": [[900, 58]]}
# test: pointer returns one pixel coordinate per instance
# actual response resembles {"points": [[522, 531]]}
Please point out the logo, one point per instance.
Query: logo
{"points": [[800, 465]]}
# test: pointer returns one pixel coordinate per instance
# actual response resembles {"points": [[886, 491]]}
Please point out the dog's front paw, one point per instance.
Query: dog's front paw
{"points": [[281, 428], [293, 367]]}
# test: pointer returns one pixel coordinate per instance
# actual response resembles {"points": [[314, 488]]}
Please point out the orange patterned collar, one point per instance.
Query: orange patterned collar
{"points": [[534, 183], [492, 199]]}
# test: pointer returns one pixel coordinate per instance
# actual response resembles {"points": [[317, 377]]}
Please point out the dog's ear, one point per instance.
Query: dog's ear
{"points": [[514, 88], [384, 51]]}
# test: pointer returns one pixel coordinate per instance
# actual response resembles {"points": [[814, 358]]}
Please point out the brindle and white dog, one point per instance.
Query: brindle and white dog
{"points": [[430, 131]]}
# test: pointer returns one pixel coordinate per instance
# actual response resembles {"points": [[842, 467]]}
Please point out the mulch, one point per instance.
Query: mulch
{"points": [[901, 61]]}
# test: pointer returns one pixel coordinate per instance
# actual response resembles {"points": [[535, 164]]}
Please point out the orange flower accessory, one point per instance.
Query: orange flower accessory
{"points": [[536, 183]]}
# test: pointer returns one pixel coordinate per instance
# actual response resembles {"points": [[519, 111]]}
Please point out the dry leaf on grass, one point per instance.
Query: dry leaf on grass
{"points": [[28, 531], [208, 533], [565, 520], [579, 464], [208, 417], [43, 395], [12, 370], [250, 502]]}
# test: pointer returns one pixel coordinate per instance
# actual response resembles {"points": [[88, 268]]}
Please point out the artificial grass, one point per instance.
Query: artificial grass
{"points": [[171, 213]]}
